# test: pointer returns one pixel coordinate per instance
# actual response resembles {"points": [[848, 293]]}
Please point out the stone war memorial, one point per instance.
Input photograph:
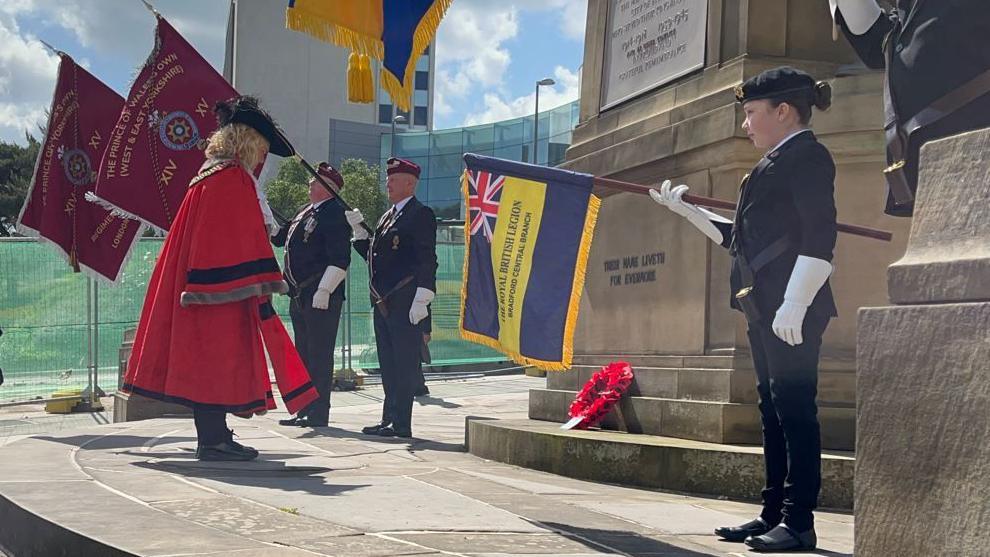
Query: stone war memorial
{"points": [[904, 389]]}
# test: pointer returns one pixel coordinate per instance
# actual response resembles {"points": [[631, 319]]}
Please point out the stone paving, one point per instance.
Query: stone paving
{"points": [[334, 491]]}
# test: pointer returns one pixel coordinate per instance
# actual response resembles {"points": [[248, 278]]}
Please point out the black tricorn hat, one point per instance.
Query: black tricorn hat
{"points": [[245, 110], [783, 82]]}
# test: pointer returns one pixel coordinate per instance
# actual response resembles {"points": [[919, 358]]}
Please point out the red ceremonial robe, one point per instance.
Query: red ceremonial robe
{"points": [[208, 307]]}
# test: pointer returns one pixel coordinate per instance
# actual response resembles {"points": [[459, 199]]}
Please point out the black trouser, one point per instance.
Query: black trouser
{"points": [[787, 380], [315, 332], [398, 343], [211, 426]]}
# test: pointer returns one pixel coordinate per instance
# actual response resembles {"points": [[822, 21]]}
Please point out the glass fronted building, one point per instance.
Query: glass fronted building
{"points": [[439, 153]]}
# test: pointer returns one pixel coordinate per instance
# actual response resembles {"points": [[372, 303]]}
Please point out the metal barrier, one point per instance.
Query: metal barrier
{"points": [[60, 332]]}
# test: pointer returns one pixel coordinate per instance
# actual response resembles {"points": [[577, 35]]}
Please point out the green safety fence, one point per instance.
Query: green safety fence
{"points": [[43, 314]]}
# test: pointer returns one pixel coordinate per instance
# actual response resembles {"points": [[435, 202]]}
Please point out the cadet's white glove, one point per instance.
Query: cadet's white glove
{"points": [[860, 15], [321, 299], [700, 218], [332, 278], [807, 278], [355, 218], [419, 310]]}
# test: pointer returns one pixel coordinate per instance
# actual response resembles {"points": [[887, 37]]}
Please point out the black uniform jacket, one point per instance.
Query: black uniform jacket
{"points": [[790, 194], [938, 45], [315, 239], [403, 245]]}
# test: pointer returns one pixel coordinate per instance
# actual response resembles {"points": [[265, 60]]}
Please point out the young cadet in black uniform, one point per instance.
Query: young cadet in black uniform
{"points": [[781, 246], [317, 252], [402, 261], [938, 74]]}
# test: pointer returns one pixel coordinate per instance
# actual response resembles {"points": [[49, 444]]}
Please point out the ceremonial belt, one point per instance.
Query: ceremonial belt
{"points": [[898, 135], [748, 270], [379, 300], [296, 289]]}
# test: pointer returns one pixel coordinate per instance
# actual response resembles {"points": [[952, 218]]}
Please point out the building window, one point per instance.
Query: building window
{"points": [[384, 114], [422, 80], [426, 52], [420, 115]]}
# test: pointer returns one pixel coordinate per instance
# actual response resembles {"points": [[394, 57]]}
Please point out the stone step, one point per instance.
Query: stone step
{"points": [[651, 360], [716, 385], [720, 470], [713, 422], [731, 358]]}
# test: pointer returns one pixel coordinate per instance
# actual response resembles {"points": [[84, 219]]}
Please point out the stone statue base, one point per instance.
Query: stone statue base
{"points": [[923, 419]]}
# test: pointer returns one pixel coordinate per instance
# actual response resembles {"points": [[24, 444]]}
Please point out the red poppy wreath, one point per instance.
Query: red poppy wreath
{"points": [[600, 394]]}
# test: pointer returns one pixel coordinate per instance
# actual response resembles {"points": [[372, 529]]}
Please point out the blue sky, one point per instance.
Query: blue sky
{"points": [[486, 67]]}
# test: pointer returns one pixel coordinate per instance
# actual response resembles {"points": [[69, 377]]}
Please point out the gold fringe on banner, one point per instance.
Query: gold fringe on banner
{"points": [[315, 26], [402, 92]]}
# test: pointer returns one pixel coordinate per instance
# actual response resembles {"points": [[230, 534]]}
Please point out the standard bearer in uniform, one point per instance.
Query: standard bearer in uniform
{"points": [[317, 253], [402, 262], [937, 80], [781, 247]]}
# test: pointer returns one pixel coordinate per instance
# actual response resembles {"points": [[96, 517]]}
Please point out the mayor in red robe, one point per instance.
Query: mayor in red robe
{"points": [[207, 318]]}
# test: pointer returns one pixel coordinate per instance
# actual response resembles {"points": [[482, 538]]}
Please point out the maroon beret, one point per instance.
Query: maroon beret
{"points": [[330, 173], [396, 165]]}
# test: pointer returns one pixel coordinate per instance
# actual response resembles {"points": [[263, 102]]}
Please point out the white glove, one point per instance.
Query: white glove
{"points": [[355, 218], [332, 278], [807, 278], [321, 299], [700, 218], [419, 310], [860, 15]]}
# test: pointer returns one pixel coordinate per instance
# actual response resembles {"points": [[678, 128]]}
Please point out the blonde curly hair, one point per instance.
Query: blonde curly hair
{"points": [[238, 142]]}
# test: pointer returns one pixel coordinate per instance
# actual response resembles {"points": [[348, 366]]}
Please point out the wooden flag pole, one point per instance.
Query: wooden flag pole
{"points": [[713, 203]]}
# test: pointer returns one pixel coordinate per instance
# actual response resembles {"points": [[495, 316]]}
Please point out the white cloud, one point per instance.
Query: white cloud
{"points": [[574, 19], [124, 26], [497, 108], [473, 57], [571, 14], [470, 51], [119, 29], [27, 79]]}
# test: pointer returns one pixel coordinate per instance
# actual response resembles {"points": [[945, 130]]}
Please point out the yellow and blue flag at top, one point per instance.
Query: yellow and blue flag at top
{"points": [[395, 32], [527, 235]]}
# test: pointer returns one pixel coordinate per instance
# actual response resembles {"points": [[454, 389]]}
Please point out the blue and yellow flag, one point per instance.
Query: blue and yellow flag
{"points": [[527, 235], [395, 32]]}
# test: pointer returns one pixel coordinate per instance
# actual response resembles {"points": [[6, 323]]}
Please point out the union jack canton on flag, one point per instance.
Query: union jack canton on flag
{"points": [[484, 197]]}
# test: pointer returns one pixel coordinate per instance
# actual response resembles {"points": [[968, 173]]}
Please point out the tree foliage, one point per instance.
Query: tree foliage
{"points": [[363, 189], [288, 192], [16, 168]]}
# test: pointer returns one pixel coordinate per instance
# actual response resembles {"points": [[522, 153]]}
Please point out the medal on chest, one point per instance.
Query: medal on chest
{"points": [[308, 228]]}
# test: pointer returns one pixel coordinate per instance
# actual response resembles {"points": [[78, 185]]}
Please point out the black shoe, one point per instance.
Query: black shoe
{"points": [[291, 421], [394, 432], [784, 538], [755, 527], [309, 422], [422, 390], [373, 429], [228, 450]]}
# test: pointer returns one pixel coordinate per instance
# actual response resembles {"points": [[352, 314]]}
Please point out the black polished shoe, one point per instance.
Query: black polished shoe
{"points": [[226, 451], [422, 390], [394, 432], [755, 527], [309, 422], [783, 538], [373, 429], [291, 421]]}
